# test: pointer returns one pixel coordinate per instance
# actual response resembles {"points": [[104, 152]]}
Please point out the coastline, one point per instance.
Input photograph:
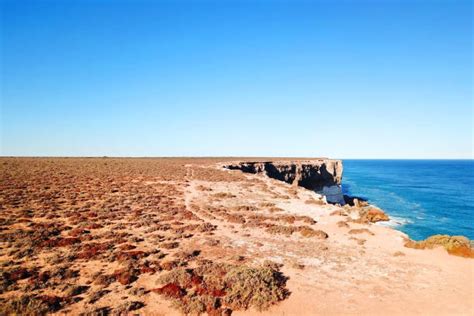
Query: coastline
{"points": [[382, 237], [433, 196], [185, 212], [382, 260]]}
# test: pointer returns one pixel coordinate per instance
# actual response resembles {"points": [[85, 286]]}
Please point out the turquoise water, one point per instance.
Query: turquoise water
{"points": [[423, 197]]}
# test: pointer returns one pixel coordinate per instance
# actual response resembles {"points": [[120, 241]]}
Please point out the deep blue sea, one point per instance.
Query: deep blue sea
{"points": [[423, 197]]}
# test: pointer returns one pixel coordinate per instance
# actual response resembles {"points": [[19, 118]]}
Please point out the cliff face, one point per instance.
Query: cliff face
{"points": [[321, 175]]}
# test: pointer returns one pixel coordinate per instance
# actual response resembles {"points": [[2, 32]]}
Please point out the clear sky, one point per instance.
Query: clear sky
{"points": [[347, 79]]}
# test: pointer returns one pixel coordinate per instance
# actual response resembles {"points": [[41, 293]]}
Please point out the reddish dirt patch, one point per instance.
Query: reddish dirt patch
{"points": [[124, 276], [60, 242], [171, 290]]}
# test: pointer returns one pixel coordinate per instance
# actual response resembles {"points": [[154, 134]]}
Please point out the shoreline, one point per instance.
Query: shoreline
{"points": [[101, 230], [384, 237], [433, 196]]}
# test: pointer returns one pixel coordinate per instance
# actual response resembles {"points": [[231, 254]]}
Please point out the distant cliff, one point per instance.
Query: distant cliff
{"points": [[320, 175]]}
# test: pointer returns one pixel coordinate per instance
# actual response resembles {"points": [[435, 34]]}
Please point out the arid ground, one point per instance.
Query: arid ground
{"points": [[167, 236]]}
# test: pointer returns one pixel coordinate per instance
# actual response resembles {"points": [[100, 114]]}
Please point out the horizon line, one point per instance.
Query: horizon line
{"points": [[230, 156]]}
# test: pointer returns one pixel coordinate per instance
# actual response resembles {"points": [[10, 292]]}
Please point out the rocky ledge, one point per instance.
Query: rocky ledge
{"points": [[320, 175], [454, 245]]}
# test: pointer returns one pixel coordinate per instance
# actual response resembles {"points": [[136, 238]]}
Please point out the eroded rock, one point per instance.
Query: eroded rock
{"points": [[455, 245], [321, 175]]}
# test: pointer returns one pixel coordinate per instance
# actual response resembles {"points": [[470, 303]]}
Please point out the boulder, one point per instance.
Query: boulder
{"points": [[374, 215]]}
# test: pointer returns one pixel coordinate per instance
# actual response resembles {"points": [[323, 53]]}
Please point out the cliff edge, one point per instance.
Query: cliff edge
{"points": [[321, 175]]}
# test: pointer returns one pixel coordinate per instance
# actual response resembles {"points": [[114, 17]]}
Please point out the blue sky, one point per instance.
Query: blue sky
{"points": [[347, 79]]}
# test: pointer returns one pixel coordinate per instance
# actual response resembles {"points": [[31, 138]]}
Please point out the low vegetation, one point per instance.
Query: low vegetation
{"points": [[218, 288]]}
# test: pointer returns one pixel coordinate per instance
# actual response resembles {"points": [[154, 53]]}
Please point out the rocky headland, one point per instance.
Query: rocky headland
{"points": [[320, 175]]}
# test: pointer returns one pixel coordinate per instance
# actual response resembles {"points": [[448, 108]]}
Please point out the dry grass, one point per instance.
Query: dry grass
{"points": [[223, 195], [254, 287], [342, 224], [31, 305], [306, 231], [360, 231], [110, 223], [217, 288], [280, 229], [72, 211]]}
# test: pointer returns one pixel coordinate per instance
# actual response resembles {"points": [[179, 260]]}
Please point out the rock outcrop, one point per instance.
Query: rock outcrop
{"points": [[372, 215], [455, 245], [321, 175]]}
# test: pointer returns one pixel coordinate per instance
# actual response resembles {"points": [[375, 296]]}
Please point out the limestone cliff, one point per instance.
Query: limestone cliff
{"points": [[321, 175]]}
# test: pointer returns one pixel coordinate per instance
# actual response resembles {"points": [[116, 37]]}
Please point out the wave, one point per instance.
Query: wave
{"points": [[422, 198], [395, 221]]}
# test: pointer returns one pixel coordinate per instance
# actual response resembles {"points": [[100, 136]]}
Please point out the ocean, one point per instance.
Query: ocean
{"points": [[422, 197]]}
